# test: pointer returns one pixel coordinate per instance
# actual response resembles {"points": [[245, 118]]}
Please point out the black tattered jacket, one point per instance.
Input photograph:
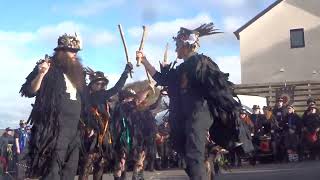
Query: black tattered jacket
{"points": [[194, 83]]}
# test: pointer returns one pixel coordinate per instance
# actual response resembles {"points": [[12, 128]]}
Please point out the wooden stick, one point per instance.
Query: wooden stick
{"points": [[165, 56], [142, 43], [124, 45]]}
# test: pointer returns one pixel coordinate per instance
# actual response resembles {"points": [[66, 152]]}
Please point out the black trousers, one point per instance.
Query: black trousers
{"points": [[195, 133], [65, 162], [20, 169], [151, 151], [163, 151]]}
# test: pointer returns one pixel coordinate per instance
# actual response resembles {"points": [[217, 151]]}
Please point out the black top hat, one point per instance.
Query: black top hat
{"points": [[256, 107], [97, 76], [311, 100], [68, 42]]}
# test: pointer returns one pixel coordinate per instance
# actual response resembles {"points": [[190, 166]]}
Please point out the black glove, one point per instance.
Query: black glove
{"points": [[128, 68], [165, 68]]}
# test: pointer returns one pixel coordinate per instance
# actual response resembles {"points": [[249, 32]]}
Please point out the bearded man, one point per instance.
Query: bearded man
{"points": [[58, 84]]}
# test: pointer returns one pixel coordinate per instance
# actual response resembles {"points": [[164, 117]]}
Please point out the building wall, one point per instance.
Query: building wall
{"points": [[265, 44]]}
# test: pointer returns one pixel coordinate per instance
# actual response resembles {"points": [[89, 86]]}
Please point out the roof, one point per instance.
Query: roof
{"points": [[256, 17]]}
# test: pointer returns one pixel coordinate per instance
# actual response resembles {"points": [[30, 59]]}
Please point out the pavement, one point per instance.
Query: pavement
{"points": [[309, 170]]}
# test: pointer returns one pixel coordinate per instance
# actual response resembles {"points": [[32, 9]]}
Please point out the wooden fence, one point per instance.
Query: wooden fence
{"points": [[302, 91]]}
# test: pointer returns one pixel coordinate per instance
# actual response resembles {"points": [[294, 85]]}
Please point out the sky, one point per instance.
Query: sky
{"points": [[29, 30]]}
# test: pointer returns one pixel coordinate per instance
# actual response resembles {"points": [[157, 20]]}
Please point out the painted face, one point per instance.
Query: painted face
{"points": [[290, 110], [313, 110], [180, 49], [280, 103], [256, 111], [242, 116], [97, 86]]}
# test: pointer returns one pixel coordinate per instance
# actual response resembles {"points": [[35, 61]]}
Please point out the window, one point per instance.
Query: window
{"points": [[297, 38]]}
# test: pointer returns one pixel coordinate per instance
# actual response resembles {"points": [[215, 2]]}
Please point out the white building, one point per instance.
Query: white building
{"points": [[282, 43]]}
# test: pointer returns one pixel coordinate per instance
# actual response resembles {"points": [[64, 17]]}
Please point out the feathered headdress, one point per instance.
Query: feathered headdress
{"points": [[191, 37]]}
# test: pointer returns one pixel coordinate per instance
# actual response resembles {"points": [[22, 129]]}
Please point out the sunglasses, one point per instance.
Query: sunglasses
{"points": [[100, 83], [70, 50]]}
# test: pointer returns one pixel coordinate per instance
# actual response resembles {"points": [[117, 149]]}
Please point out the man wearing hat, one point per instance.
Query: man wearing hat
{"points": [[99, 150], [292, 126], [311, 122], [198, 92], [98, 84], [21, 137], [279, 111], [130, 132], [310, 103], [59, 86], [256, 117], [121, 126]]}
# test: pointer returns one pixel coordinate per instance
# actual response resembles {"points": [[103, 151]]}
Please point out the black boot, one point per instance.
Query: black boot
{"points": [[158, 164], [138, 175], [123, 176]]}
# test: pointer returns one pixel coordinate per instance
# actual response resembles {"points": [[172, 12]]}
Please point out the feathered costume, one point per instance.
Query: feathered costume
{"points": [[200, 96], [54, 142]]}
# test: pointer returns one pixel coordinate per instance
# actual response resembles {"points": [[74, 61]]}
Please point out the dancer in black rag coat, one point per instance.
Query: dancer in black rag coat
{"points": [[200, 96]]}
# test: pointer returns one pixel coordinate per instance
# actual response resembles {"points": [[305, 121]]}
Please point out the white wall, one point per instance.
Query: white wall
{"points": [[265, 44]]}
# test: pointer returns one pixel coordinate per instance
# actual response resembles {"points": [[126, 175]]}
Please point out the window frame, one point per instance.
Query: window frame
{"points": [[303, 39]]}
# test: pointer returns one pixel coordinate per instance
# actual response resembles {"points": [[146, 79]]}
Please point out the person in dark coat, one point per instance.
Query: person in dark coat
{"points": [[310, 102], [245, 129], [199, 92], [279, 111], [121, 131], [98, 120], [256, 118], [128, 128], [292, 126], [269, 122], [311, 130], [149, 130], [7, 164], [57, 83], [163, 145]]}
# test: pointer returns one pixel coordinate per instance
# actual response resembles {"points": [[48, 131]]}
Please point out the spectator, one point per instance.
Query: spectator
{"points": [[292, 129], [6, 155], [21, 139], [256, 117], [279, 111]]}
